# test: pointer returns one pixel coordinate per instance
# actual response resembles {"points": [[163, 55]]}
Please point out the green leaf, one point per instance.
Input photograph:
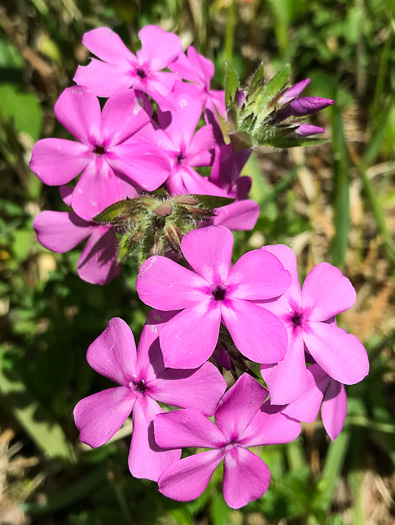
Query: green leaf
{"points": [[270, 90], [71, 494], [210, 202], [257, 76], [341, 200], [35, 420], [126, 209], [22, 109], [279, 142], [231, 84], [128, 243]]}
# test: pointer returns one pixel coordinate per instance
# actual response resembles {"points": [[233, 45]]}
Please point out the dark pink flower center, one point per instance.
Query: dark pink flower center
{"points": [[99, 150], [141, 73], [140, 387], [297, 319], [219, 293]]}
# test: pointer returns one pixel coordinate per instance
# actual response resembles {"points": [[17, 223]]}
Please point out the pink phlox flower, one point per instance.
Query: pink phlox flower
{"points": [[118, 68], [243, 213], [305, 312], [184, 148], [212, 292], [62, 231], [321, 392], [199, 70], [111, 168], [143, 380], [243, 421]]}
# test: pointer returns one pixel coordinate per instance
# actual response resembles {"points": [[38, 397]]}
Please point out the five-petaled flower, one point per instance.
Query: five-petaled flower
{"points": [[243, 420], [214, 292], [143, 380]]}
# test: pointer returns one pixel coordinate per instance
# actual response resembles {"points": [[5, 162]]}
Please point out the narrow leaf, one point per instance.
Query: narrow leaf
{"points": [[231, 84]]}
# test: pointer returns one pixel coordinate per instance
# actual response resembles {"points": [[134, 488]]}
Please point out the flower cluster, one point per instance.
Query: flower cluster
{"points": [[137, 160]]}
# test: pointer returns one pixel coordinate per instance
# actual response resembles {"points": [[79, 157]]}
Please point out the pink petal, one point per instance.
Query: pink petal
{"points": [[104, 79], [108, 46], [66, 193], [164, 284], [288, 259], [97, 188], [258, 275], [216, 99], [61, 231], [184, 119], [188, 479], [149, 355], [78, 110], [257, 333], [184, 179], [203, 141], [187, 428], [113, 353], [183, 67], [146, 459], [246, 477], [238, 407], [334, 409], [189, 339], [341, 355], [327, 292], [270, 427], [97, 264], [294, 91], [123, 115], [100, 416], [306, 408], [159, 86], [145, 164], [209, 252], [238, 216], [159, 48], [200, 389], [287, 380], [58, 161]]}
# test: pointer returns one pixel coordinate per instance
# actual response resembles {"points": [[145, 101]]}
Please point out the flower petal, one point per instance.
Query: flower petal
{"points": [[238, 407], [78, 110], [113, 353], [202, 142], [146, 459], [258, 275], [327, 292], [238, 216], [100, 416], [159, 48], [246, 477], [306, 408], [187, 428], [97, 264], [104, 79], [108, 46], [334, 409], [123, 115], [189, 338], [209, 252], [145, 164], [257, 333], [61, 231], [183, 120], [288, 259], [166, 285], [287, 380], [58, 161], [270, 427], [341, 355], [188, 479], [200, 389], [97, 188]]}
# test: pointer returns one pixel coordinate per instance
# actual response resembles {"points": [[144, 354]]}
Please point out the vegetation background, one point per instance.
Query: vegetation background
{"points": [[334, 202]]}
